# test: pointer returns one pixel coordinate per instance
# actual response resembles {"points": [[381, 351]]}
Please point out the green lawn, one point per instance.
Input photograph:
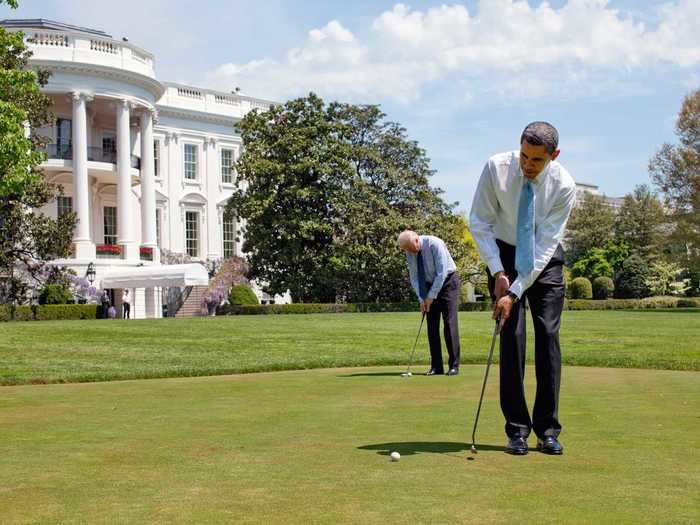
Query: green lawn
{"points": [[74, 351], [311, 447]]}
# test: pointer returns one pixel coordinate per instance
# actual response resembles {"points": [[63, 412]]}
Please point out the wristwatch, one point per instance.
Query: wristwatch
{"points": [[512, 296]]}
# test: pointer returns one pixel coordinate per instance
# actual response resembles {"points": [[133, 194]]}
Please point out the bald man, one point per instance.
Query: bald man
{"points": [[436, 283]]}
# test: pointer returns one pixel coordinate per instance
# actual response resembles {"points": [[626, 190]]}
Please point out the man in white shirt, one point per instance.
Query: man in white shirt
{"points": [[518, 218]]}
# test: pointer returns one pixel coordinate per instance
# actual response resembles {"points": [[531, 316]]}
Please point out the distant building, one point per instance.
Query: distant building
{"points": [[582, 188]]}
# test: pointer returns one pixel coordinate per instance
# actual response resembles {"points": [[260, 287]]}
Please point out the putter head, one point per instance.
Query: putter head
{"points": [[406, 374], [473, 449]]}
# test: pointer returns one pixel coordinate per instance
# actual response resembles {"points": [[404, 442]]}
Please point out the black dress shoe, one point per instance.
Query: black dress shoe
{"points": [[517, 446], [434, 372], [453, 372], [550, 445]]}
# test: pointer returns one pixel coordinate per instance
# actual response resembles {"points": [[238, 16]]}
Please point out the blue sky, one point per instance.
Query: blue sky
{"points": [[463, 77]]}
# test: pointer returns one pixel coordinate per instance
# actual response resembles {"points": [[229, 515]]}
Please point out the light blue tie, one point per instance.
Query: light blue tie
{"points": [[525, 245]]}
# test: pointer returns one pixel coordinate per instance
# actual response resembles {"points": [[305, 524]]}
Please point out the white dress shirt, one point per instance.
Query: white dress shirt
{"points": [[494, 213], [437, 262]]}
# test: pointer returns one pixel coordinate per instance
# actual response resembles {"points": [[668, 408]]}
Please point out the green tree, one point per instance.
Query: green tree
{"points": [[675, 171], [27, 238], [326, 190], [593, 264], [631, 280], [590, 226], [598, 262], [640, 222], [466, 256], [292, 169], [664, 279], [616, 251]]}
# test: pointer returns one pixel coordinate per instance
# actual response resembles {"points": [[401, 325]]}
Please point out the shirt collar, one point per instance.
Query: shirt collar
{"points": [[537, 180]]}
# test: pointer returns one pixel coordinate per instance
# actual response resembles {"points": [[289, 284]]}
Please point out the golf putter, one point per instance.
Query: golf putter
{"points": [[496, 331], [408, 373]]}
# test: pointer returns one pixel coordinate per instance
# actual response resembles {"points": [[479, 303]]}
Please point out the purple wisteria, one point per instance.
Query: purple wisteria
{"points": [[232, 272]]}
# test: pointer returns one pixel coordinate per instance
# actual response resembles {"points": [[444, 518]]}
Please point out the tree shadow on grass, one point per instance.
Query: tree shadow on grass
{"points": [[409, 448]]}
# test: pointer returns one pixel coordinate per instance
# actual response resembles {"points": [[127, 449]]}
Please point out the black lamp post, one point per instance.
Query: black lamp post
{"points": [[90, 274]]}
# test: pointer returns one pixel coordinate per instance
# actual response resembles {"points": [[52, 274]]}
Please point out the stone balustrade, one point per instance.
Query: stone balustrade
{"points": [[88, 49]]}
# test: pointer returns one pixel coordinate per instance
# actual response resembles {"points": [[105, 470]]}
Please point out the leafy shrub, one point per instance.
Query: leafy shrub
{"points": [[581, 288], [5, 312], [48, 312], [23, 313], [55, 294], [603, 288], [631, 281], [65, 311], [242, 294], [689, 302], [648, 303]]}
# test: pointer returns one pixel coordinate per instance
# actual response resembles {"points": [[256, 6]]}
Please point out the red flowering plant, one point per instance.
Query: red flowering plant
{"points": [[108, 249]]}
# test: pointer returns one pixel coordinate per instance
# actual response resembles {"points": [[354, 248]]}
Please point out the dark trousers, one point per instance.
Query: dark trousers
{"points": [[546, 300], [445, 304], [127, 310]]}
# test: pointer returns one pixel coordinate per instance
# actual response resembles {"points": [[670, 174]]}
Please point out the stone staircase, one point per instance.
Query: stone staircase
{"points": [[192, 307]]}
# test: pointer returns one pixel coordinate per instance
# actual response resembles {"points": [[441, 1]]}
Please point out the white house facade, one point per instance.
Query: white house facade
{"points": [[146, 165]]}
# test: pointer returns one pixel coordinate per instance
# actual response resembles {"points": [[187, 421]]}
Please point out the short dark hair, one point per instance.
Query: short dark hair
{"points": [[541, 134]]}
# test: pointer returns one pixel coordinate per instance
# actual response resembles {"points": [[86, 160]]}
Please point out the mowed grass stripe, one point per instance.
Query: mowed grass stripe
{"points": [[82, 351], [311, 447]]}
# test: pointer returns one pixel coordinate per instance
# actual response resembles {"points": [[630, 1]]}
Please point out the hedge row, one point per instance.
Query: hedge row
{"points": [[323, 308], [48, 312], [55, 312], [633, 304], [570, 304]]}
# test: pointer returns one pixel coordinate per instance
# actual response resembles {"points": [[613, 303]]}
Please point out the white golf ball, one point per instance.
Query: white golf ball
{"points": [[395, 456]]}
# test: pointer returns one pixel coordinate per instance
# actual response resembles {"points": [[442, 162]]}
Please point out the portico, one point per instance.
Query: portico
{"points": [[126, 236]]}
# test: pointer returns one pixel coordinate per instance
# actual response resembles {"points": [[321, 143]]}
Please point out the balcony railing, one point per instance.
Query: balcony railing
{"points": [[94, 153], [88, 49]]}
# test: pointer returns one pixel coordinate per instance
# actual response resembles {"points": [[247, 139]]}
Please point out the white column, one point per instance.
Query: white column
{"points": [[84, 246], [124, 220], [176, 228], [148, 185], [213, 174], [151, 303]]}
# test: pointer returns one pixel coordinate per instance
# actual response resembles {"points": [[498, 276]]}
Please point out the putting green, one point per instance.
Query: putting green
{"points": [[312, 447]]}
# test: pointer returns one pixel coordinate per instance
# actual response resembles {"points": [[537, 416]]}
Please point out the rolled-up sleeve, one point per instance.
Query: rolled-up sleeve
{"points": [[548, 236], [482, 220]]}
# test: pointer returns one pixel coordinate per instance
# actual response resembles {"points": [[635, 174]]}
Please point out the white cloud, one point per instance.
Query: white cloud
{"points": [[505, 47]]}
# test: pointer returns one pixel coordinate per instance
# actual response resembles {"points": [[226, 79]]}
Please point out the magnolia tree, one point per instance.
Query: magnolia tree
{"points": [[325, 190]]}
